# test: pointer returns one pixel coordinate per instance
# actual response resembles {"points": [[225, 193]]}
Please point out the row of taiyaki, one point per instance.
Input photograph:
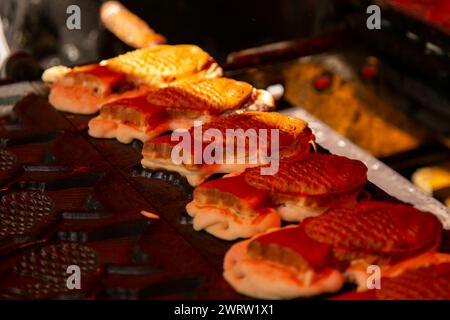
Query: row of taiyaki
{"points": [[145, 93]]}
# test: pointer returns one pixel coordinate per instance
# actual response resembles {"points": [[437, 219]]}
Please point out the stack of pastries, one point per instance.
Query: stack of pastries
{"points": [[306, 230]]}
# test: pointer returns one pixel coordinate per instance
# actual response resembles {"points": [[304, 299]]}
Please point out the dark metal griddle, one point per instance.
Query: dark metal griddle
{"points": [[78, 201]]}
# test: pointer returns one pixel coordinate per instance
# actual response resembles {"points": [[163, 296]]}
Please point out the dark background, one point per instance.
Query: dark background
{"points": [[219, 26]]}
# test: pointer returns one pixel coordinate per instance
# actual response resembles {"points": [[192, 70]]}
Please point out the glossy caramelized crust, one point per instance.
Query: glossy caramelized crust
{"points": [[294, 135], [215, 95], [307, 260], [293, 132], [376, 232], [231, 192], [314, 175], [291, 247], [136, 111], [138, 117], [94, 74], [373, 231], [163, 64], [298, 190], [287, 125], [128, 119], [426, 277], [228, 213], [144, 106], [265, 267], [84, 89], [423, 283], [97, 80]]}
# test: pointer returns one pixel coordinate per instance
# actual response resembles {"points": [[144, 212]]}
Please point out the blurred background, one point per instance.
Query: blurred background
{"points": [[387, 89], [218, 26]]}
